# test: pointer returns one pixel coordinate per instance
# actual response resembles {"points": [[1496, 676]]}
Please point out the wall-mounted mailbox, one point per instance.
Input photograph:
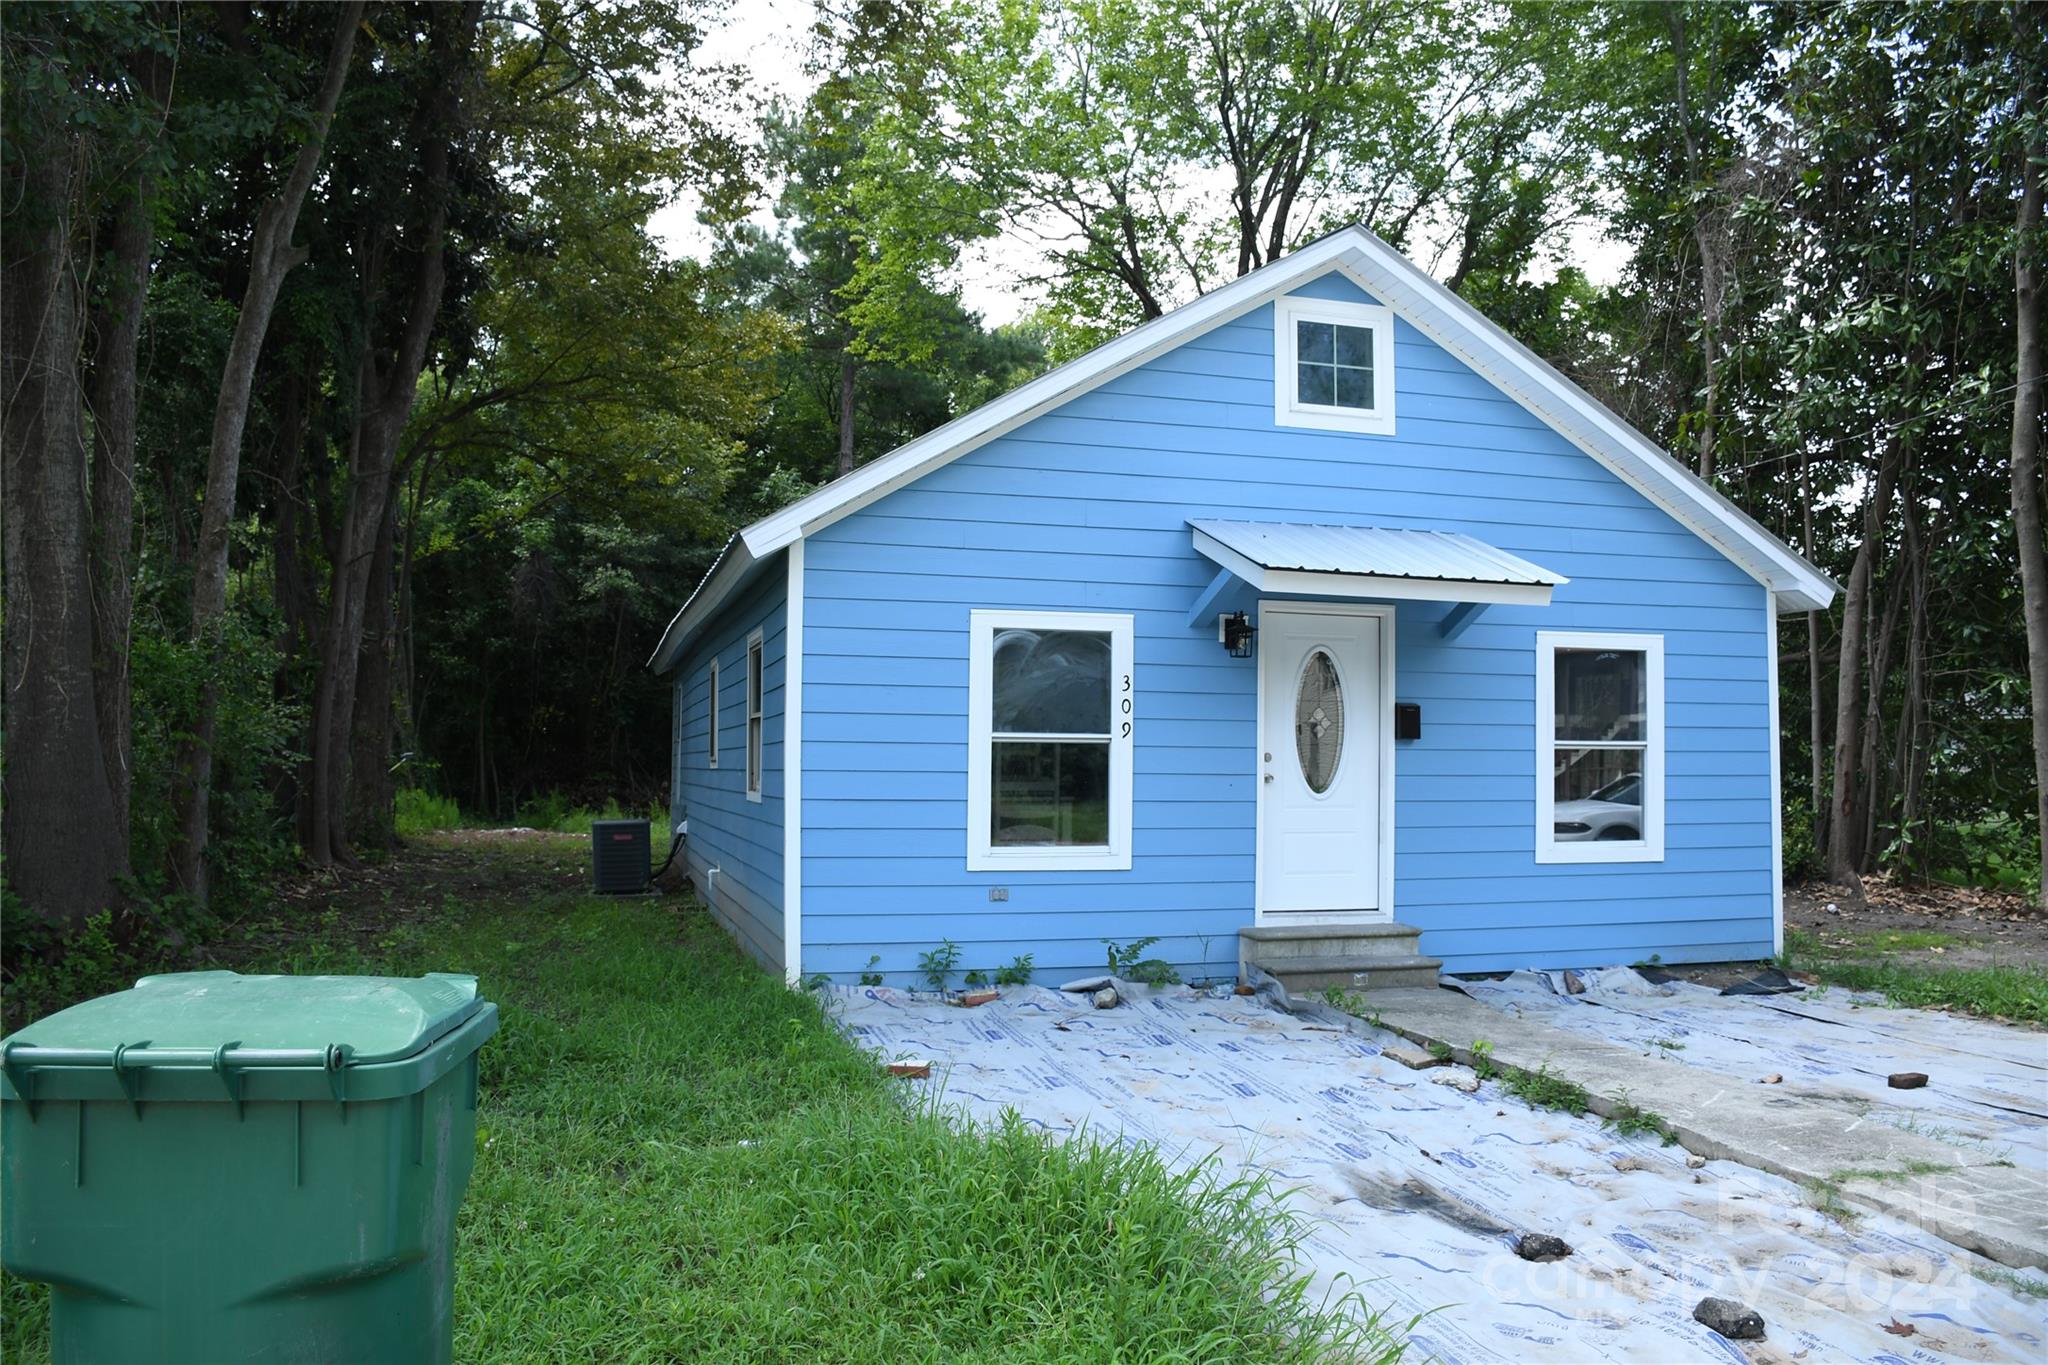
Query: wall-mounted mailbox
{"points": [[1407, 720]]}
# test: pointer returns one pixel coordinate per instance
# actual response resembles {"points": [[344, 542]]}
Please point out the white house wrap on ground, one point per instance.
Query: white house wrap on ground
{"points": [[1318, 618]]}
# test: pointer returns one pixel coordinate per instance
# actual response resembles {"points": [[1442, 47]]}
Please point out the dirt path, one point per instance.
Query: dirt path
{"points": [[1943, 926]]}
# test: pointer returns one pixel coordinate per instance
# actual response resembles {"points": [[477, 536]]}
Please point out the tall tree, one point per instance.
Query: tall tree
{"points": [[403, 281], [83, 118], [1153, 149], [2028, 384], [63, 849], [272, 255]]}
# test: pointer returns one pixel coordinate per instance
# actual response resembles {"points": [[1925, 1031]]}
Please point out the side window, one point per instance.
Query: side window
{"points": [[754, 716], [1599, 747], [711, 723], [1052, 710]]}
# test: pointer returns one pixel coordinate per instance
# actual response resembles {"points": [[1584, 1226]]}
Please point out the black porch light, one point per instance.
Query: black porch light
{"points": [[1238, 634]]}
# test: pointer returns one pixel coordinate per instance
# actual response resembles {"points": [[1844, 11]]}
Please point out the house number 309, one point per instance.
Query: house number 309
{"points": [[1127, 706]]}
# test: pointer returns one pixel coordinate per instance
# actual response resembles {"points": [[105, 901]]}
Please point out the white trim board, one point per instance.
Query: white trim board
{"points": [[793, 771], [1396, 282], [1777, 742]]}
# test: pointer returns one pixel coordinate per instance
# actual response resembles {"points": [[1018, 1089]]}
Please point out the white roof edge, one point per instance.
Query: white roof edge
{"points": [[1795, 584], [734, 565], [1659, 477], [915, 458]]}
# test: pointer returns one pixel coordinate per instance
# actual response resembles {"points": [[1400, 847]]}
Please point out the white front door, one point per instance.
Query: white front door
{"points": [[1323, 733]]}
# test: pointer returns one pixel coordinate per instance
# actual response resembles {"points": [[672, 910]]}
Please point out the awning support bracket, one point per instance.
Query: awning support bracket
{"points": [[1458, 618], [1207, 601]]}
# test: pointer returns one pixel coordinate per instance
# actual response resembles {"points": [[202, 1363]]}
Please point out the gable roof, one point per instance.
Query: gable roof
{"points": [[1394, 280]]}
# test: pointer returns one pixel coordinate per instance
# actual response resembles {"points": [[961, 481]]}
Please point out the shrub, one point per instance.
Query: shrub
{"points": [[417, 811]]}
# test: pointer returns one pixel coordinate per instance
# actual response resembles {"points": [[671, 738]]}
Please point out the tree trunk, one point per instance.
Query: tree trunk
{"points": [[846, 377], [1875, 788], [1910, 756], [1713, 268], [386, 401], [62, 840], [369, 794], [117, 330], [271, 258], [1845, 825], [2026, 476], [1815, 763]]}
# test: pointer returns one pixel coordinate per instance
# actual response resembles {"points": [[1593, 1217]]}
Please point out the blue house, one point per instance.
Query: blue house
{"points": [[1317, 624]]}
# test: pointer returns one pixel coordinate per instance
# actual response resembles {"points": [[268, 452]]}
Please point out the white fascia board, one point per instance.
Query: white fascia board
{"points": [[1562, 405], [734, 564], [913, 460], [793, 770], [1367, 587]]}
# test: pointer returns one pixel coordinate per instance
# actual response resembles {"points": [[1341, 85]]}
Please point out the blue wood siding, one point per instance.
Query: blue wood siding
{"points": [[1084, 508], [741, 838]]}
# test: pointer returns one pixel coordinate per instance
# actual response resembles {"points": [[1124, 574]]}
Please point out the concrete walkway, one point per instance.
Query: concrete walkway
{"points": [[1820, 1136]]}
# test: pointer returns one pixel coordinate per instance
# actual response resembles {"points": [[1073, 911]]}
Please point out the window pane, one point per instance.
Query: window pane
{"points": [[1050, 792], [1354, 346], [1313, 341], [1318, 384], [1598, 795], [1051, 682], [1354, 388], [1319, 721], [1600, 695]]}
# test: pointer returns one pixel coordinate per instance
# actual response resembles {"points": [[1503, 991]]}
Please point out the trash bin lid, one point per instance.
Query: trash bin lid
{"points": [[376, 1018]]}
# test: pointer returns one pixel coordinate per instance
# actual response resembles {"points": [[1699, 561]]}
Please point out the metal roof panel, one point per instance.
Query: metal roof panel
{"points": [[1376, 551]]}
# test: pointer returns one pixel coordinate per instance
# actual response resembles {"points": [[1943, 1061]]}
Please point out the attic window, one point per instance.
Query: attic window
{"points": [[1333, 365]]}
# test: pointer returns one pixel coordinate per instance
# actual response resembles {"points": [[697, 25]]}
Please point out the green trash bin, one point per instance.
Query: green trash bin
{"points": [[217, 1167]]}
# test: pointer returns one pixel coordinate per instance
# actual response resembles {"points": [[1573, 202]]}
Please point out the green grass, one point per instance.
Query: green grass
{"points": [[2000, 992], [416, 811], [1544, 1089], [1888, 1176], [1630, 1119], [678, 1158], [2018, 1282], [1904, 940]]}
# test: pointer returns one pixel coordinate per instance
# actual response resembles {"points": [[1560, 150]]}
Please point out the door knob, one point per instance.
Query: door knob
{"points": [[1269, 777]]}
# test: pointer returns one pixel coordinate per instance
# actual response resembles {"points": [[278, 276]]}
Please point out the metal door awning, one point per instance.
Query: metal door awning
{"points": [[1377, 563]]}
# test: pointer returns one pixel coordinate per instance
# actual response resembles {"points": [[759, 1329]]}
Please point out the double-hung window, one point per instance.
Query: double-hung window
{"points": [[754, 716], [711, 724], [1333, 365], [1599, 747], [1051, 709]]}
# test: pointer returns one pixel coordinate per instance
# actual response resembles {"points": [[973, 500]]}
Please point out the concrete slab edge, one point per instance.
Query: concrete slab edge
{"points": [[1914, 1200]]}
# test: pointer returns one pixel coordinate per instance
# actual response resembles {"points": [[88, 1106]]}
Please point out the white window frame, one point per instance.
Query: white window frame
{"points": [[711, 730], [1289, 410], [983, 854], [757, 703], [1548, 848]]}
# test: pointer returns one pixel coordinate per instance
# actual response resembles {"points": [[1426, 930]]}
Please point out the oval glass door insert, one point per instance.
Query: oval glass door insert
{"points": [[1319, 721]]}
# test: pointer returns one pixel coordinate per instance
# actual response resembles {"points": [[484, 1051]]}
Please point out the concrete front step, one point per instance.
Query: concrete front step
{"points": [[1369, 972], [1277, 941]]}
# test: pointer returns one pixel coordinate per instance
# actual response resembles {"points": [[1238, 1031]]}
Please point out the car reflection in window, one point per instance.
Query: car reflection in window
{"points": [[1613, 812]]}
